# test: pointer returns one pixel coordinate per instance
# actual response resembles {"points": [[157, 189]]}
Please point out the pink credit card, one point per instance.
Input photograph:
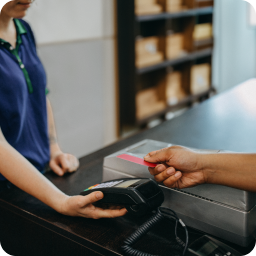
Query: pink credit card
{"points": [[136, 160]]}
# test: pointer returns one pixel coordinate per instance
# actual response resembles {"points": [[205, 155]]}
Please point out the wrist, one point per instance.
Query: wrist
{"points": [[55, 150], [210, 171], [61, 204]]}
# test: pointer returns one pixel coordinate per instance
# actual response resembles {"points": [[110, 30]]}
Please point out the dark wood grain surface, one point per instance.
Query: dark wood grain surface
{"points": [[28, 227]]}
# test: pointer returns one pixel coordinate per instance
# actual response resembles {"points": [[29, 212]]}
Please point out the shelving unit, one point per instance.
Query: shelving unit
{"points": [[188, 57], [134, 79], [186, 13], [186, 102]]}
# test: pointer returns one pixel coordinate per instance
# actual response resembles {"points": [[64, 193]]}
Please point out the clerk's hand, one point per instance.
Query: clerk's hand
{"points": [[180, 167], [82, 206], [62, 163]]}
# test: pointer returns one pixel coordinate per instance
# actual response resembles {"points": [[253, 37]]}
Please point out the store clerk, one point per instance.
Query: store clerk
{"points": [[27, 132]]}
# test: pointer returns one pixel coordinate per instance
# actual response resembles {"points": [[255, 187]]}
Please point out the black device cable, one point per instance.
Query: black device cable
{"points": [[143, 229], [179, 241]]}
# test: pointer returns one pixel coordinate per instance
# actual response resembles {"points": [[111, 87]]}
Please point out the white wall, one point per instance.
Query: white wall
{"points": [[76, 45], [61, 21], [235, 44], [252, 16]]}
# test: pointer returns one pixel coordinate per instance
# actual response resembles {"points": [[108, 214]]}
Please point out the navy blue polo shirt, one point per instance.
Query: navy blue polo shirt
{"points": [[23, 113]]}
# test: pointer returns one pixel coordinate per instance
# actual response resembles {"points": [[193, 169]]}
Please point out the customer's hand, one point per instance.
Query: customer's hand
{"points": [[82, 206], [62, 163], [180, 167]]}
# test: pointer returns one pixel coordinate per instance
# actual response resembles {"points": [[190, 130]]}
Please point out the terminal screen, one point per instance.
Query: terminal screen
{"points": [[126, 184]]}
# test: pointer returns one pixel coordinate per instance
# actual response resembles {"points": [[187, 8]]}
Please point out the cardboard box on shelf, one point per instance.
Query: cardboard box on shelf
{"points": [[147, 7], [174, 2], [148, 60], [204, 3], [148, 103], [175, 5], [148, 52], [145, 2], [174, 46], [174, 91], [148, 10], [200, 78], [202, 31]]}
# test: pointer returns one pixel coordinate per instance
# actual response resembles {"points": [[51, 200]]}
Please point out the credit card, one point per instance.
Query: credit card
{"points": [[136, 160]]}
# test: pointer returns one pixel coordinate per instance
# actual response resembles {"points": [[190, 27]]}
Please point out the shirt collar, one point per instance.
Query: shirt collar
{"points": [[20, 27], [20, 30]]}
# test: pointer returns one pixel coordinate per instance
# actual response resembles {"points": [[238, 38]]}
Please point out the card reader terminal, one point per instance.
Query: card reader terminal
{"points": [[138, 196]]}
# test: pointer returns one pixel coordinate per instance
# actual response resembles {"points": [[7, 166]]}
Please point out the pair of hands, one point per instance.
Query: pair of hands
{"points": [[80, 206], [180, 167]]}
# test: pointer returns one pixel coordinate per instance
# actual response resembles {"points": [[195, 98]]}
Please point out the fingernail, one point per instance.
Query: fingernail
{"points": [[99, 195], [171, 171], [147, 156], [161, 168], [177, 174]]}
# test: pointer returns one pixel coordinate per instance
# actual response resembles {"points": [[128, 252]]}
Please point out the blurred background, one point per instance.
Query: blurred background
{"points": [[116, 67]]}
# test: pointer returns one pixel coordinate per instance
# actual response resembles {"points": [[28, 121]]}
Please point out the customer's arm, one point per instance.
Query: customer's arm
{"points": [[60, 162], [182, 168], [21, 173]]}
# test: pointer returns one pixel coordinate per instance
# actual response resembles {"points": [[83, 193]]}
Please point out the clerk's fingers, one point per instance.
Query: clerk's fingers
{"points": [[165, 175], [98, 213], [64, 162], [109, 207], [73, 163], [101, 213], [56, 168], [92, 198], [115, 207]]}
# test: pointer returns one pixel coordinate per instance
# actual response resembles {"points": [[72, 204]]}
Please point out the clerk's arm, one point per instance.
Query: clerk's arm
{"points": [[182, 168], [60, 162], [15, 168]]}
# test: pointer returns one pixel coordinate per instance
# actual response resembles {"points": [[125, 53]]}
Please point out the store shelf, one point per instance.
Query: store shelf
{"points": [[190, 99], [188, 57], [201, 43], [185, 13], [131, 79]]}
